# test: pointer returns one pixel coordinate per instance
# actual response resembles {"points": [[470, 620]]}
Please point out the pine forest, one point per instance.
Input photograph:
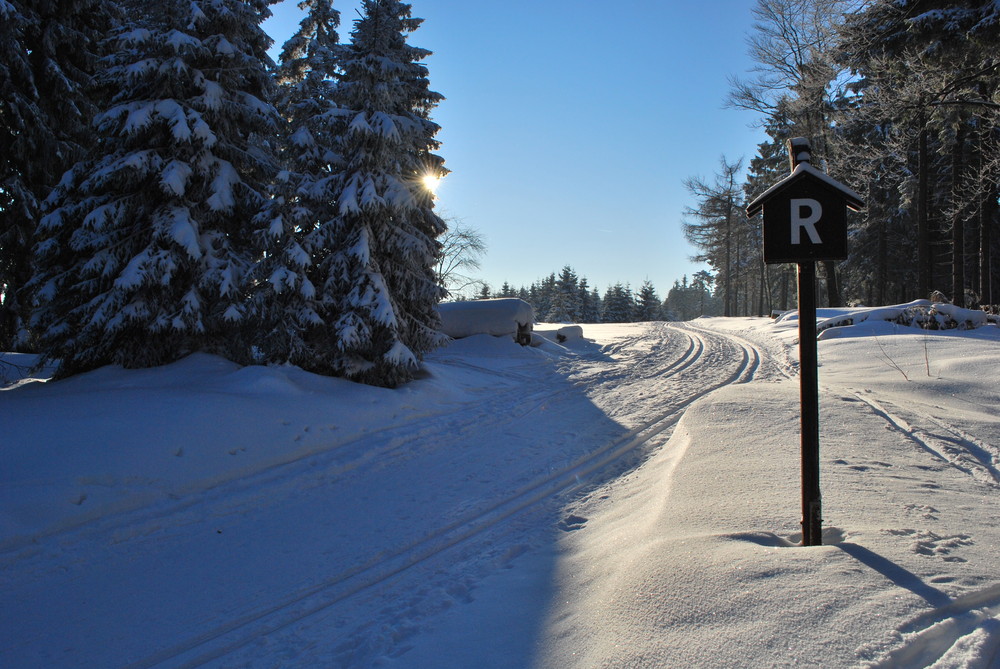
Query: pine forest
{"points": [[900, 100], [167, 188]]}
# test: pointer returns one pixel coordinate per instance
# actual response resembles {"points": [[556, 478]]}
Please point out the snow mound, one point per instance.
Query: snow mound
{"points": [[499, 317], [922, 314]]}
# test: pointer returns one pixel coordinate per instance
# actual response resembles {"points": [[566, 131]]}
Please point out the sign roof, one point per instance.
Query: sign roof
{"points": [[805, 171]]}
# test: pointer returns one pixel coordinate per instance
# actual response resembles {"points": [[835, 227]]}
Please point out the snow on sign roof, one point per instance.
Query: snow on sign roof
{"points": [[805, 170]]}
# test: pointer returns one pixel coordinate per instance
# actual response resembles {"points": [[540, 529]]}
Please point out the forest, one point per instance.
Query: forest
{"points": [[567, 297], [899, 100], [167, 188]]}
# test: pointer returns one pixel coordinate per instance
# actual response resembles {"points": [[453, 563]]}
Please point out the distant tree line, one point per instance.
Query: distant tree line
{"points": [[900, 100], [166, 188], [567, 297]]}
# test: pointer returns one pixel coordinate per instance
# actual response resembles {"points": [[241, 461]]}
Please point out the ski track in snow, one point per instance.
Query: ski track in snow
{"points": [[950, 444], [963, 633], [966, 631], [640, 385], [703, 348], [686, 363]]}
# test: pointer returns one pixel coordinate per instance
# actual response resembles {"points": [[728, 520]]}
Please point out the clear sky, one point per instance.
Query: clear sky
{"points": [[569, 126]]}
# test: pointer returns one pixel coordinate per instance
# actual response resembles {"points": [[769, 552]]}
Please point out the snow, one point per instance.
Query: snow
{"points": [[180, 41], [175, 177], [626, 498], [941, 316], [226, 178], [497, 317], [140, 115], [853, 200], [182, 231]]}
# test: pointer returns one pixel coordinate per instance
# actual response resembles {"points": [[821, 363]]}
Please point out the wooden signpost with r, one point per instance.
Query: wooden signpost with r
{"points": [[805, 220]]}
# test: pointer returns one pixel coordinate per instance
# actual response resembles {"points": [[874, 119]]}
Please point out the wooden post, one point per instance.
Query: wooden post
{"points": [[805, 222], [812, 517]]}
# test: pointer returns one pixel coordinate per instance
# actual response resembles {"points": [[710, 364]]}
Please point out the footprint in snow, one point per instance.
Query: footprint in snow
{"points": [[571, 523]]}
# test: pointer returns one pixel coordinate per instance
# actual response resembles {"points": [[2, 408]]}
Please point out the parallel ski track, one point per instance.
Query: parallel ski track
{"points": [[971, 456], [694, 349], [240, 632], [319, 465], [973, 618]]}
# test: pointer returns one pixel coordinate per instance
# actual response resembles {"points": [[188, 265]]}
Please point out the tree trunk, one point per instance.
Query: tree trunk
{"points": [[923, 227], [882, 269], [957, 220], [762, 308], [833, 296], [784, 288], [728, 286], [989, 292]]}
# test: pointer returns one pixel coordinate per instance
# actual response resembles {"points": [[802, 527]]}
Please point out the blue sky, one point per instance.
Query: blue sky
{"points": [[569, 127]]}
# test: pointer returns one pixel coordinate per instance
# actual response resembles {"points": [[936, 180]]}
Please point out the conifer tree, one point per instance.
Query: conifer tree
{"points": [[648, 303], [293, 304], [387, 238], [143, 251], [47, 59], [565, 303], [716, 225], [619, 306], [927, 85], [19, 112], [590, 303]]}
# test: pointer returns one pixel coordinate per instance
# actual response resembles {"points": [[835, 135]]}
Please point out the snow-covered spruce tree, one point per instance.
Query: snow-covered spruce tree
{"points": [[292, 302], [648, 303], [18, 201], [927, 82], [386, 246], [590, 303], [142, 254], [565, 305], [47, 57], [618, 305]]}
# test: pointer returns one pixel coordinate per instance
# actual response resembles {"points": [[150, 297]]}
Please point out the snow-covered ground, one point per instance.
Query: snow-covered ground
{"points": [[630, 499]]}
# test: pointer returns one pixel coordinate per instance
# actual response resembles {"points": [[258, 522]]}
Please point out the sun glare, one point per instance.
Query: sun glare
{"points": [[431, 182]]}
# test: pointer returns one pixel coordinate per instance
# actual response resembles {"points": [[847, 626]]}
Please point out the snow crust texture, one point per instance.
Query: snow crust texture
{"points": [[627, 498]]}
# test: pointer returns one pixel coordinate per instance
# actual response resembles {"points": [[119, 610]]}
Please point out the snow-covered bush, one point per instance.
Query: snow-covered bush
{"points": [[922, 314], [501, 317]]}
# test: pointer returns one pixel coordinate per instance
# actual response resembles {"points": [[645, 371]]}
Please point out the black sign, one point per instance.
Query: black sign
{"points": [[806, 222]]}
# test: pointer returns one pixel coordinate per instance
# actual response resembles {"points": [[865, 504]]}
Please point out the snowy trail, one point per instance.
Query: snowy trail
{"points": [[629, 498], [474, 524], [234, 532]]}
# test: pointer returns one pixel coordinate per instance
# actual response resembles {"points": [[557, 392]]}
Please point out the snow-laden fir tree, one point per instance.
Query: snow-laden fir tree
{"points": [[647, 307], [18, 202], [506, 290], [618, 305], [590, 303], [293, 302], [387, 239], [143, 252], [47, 58], [565, 303]]}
